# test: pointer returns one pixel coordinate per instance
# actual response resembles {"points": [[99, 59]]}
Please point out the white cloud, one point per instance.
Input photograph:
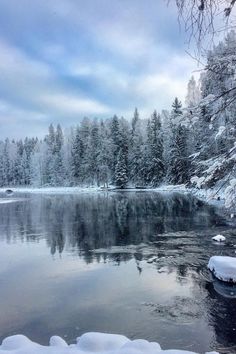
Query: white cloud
{"points": [[33, 91], [64, 104]]}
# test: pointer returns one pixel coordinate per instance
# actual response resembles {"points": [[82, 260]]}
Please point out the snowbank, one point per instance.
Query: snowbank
{"points": [[223, 267], [88, 343], [219, 238]]}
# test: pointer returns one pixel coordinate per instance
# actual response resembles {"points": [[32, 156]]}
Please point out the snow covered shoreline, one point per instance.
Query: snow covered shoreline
{"points": [[69, 190], [90, 343], [206, 195]]}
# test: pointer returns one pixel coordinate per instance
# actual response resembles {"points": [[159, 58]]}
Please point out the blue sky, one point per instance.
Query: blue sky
{"points": [[61, 60]]}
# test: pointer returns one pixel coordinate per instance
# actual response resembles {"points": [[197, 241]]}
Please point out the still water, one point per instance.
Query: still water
{"points": [[131, 263]]}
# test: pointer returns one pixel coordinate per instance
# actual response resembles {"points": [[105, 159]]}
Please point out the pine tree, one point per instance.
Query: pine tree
{"points": [[177, 107], [76, 157], [135, 149], [93, 153], [179, 160], [116, 140], [193, 93], [59, 171], [104, 155], [121, 178], [153, 162]]}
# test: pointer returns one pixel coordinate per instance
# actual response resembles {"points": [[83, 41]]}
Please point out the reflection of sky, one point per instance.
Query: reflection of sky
{"points": [[42, 295], [63, 59]]}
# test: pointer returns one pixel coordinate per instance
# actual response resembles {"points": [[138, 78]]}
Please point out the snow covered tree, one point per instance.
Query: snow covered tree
{"points": [[135, 149], [76, 157], [193, 93], [154, 165], [179, 162], [49, 159], [116, 141], [104, 155], [59, 171], [93, 153], [121, 177]]}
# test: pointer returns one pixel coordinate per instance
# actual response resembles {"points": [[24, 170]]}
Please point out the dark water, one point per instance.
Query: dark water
{"points": [[130, 263]]}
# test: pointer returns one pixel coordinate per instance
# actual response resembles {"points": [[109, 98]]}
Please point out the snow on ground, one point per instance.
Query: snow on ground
{"points": [[219, 238], [223, 267], [88, 343]]}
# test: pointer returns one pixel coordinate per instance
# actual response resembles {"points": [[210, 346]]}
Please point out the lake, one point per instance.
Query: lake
{"points": [[133, 263]]}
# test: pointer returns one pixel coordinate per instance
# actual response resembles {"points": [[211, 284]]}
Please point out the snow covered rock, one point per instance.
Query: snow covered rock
{"points": [[223, 267], [88, 343], [219, 238]]}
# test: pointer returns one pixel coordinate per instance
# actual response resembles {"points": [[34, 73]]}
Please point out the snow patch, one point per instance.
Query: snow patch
{"points": [[220, 132], [230, 194], [219, 238], [88, 343], [223, 267]]}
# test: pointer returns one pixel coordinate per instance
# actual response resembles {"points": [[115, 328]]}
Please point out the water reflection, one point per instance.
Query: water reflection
{"points": [[222, 314], [161, 242], [96, 221]]}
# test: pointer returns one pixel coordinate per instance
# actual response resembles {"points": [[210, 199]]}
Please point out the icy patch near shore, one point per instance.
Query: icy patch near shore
{"points": [[219, 238], [88, 343], [223, 267]]}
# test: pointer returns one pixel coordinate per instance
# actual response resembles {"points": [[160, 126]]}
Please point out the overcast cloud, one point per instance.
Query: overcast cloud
{"points": [[63, 59]]}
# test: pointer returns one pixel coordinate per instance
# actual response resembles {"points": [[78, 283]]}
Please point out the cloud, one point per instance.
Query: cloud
{"points": [[65, 104], [63, 59], [32, 92]]}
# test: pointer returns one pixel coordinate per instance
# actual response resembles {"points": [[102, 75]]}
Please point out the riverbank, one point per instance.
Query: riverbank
{"points": [[65, 190], [210, 196]]}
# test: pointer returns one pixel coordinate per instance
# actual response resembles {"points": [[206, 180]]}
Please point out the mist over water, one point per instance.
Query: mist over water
{"points": [[131, 263]]}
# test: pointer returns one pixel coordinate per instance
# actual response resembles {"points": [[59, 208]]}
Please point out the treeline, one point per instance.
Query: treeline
{"points": [[96, 152]]}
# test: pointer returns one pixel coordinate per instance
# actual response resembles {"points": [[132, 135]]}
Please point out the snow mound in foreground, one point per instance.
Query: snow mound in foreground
{"points": [[224, 268], [88, 343], [219, 238]]}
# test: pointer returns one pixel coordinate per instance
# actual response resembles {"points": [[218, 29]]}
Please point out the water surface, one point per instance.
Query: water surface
{"points": [[131, 263]]}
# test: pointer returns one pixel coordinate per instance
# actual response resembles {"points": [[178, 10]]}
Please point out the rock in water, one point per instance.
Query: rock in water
{"points": [[219, 238], [223, 267], [9, 191]]}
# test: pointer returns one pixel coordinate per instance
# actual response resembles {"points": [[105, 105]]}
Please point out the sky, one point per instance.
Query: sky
{"points": [[61, 60]]}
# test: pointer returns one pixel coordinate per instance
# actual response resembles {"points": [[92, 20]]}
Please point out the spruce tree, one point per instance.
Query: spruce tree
{"points": [[153, 162], [179, 160], [135, 149], [121, 177], [76, 157]]}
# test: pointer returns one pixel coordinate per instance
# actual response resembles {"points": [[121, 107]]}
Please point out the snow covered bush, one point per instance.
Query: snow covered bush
{"points": [[230, 195]]}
